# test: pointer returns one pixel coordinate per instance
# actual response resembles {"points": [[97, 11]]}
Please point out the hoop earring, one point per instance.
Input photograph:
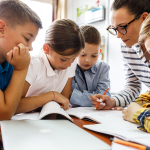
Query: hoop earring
{"points": [[45, 48]]}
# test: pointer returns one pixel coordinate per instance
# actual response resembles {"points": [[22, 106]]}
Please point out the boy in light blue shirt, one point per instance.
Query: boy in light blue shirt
{"points": [[91, 75]]}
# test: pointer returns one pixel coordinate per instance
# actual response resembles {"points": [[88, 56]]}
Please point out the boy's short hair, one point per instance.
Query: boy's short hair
{"points": [[145, 30], [91, 34], [15, 12]]}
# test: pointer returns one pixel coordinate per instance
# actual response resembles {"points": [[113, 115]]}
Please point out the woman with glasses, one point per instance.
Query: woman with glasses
{"points": [[139, 112], [127, 18]]}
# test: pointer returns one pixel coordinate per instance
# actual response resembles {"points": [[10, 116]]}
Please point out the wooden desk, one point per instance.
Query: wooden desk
{"points": [[103, 137]]}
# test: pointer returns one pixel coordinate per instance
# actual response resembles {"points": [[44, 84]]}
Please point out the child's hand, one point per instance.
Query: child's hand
{"points": [[129, 112], [63, 100], [106, 101], [19, 57]]}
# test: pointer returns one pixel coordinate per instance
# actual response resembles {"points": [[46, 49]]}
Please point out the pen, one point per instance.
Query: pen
{"points": [[103, 94], [130, 144]]}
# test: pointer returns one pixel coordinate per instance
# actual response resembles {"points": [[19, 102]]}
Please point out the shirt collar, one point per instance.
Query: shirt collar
{"points": [[93, 69], [137, 47], [5, 66], [49, 69]]}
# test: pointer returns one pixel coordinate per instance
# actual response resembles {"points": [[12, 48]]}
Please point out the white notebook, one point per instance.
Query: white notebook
{"points": [[99, 116], [124, 130], [48, 109]]}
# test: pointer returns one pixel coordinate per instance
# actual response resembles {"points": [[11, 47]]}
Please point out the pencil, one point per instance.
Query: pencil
{"points": [[130, 144], [103, 94]]}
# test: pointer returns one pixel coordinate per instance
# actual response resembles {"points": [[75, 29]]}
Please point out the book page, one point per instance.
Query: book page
{"points": [[53, 108], [100, 116], [106, 116], [124, 130], [26, 116], [80, 112]]}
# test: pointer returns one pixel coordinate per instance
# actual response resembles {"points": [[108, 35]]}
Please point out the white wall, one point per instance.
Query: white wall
{"points": [[72, 5]]}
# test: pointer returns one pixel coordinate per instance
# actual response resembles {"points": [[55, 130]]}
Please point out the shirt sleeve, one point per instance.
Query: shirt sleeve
{"points": [[132, 87], [33, 69], [71, 69], [142, 117], [144, 99], [82, 98]]}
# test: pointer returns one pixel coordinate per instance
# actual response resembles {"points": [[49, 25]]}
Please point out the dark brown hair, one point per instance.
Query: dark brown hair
{"points": [[135, 7], [91, 35], [15, 12], [65, 37], [145, 30]]}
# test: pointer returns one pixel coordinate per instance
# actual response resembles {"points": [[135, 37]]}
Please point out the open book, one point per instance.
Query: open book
{"points": [[87, 113], [125, 130], [49, 109], [99, 116]]}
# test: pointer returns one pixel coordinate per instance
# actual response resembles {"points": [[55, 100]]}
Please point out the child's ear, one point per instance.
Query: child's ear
{"points": [[46, 48], [2, 28]]}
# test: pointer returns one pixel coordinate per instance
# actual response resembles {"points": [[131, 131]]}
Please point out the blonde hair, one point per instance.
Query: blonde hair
{"points": [[145, 30]]}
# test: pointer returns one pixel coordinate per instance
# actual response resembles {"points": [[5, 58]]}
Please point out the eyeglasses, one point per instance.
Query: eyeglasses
{"points": [[120, 29]]}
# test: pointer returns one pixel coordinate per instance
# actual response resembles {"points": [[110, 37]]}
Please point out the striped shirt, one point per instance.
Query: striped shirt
{"points": [[137, 71]]}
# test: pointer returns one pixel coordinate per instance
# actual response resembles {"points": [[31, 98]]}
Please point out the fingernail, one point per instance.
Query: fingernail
{"points": [[103, 104], [100, 100], [112, 108], [118, 108]]}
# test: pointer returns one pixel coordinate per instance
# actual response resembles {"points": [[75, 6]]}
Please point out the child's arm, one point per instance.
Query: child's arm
{"points": [[67, 89], [31, 103], [82, 98], [19, 58], [138, 114]]}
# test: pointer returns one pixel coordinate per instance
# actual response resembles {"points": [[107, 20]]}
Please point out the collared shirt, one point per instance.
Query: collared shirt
{"points": [[137, 71], [6, 71], [43, 78], [97, 79]]}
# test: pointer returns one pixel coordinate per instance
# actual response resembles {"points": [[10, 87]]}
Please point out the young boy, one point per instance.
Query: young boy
{"points": [[91, 75], [19, 26]]}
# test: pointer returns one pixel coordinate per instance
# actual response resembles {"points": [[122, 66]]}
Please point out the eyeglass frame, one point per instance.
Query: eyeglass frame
{"points": [[125, 26]]}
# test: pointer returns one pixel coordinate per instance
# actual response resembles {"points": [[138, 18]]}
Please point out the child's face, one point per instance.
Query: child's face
{"points": [[147, 44], [88, 56], [60, 62], [25, 34]]}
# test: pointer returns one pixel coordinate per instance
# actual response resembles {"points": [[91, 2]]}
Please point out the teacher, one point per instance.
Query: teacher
{"points": [[127, 18]]}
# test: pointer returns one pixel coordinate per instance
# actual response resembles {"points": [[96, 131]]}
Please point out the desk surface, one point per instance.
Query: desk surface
{"points": [[103, 137]]}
